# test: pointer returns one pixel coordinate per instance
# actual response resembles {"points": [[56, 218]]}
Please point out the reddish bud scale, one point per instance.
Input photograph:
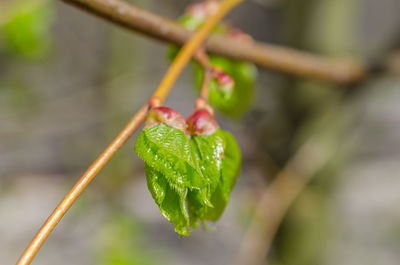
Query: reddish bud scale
{"points": [[155, 102], [201, 122], [224, 80], [165, 115], [202, 104]]}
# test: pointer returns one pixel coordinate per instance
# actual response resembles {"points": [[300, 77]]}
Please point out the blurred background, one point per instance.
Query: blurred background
{"points": [[70, 81]]}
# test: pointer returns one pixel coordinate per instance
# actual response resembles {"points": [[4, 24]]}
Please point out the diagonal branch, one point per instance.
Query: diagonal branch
{"points": [[274, 57], [276, 200], [159, 94]]}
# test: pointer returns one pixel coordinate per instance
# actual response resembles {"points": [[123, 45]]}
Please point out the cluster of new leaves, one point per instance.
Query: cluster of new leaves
{"points": [[191, 167], [235, 99]]}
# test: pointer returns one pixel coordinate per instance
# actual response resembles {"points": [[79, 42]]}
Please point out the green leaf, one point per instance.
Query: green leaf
{"points": [[171, 202], [230, 168], [172, 169], [210, 150], [190, 179], [243, 73], [167, 150], [231, 164], [220, 162]]}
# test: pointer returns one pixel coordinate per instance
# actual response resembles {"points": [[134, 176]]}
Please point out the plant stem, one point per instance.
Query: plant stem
{"points": [[274, 57], [80, 185], [276, 199], [160, 93], [201, 57], [205, 85]]}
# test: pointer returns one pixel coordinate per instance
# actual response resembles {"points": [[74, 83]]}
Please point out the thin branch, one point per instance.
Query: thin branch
{"points": [[277, 198], [159, 94], [202, 58], [80, 185], [393, 63], [274, 57], [205, 85]]}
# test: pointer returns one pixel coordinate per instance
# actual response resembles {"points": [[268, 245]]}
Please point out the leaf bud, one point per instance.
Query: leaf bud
{"points": [[225, 82], [163, 114], [201, 122]]}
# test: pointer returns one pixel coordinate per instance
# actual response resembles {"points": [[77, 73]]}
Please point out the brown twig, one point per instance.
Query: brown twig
{"points": [[277, 198], [393, 63], [266, 55], [205, 85], [159, 95], [80, 185], [202, 58]]}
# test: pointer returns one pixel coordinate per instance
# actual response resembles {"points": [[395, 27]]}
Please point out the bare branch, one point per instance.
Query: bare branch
{"points": [[276, 200], [274, 57]]}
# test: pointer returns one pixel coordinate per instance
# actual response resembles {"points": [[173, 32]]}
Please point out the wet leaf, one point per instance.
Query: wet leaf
{"points": [[172, 168], [190, 178], [220, 162]]}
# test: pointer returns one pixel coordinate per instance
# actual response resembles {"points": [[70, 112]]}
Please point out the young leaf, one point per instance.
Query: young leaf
{"points": [[231, 164], [172, 169], [210, 153], [244, 75], [226, 159], [167, 150], [190, 179], [171, 202]]}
